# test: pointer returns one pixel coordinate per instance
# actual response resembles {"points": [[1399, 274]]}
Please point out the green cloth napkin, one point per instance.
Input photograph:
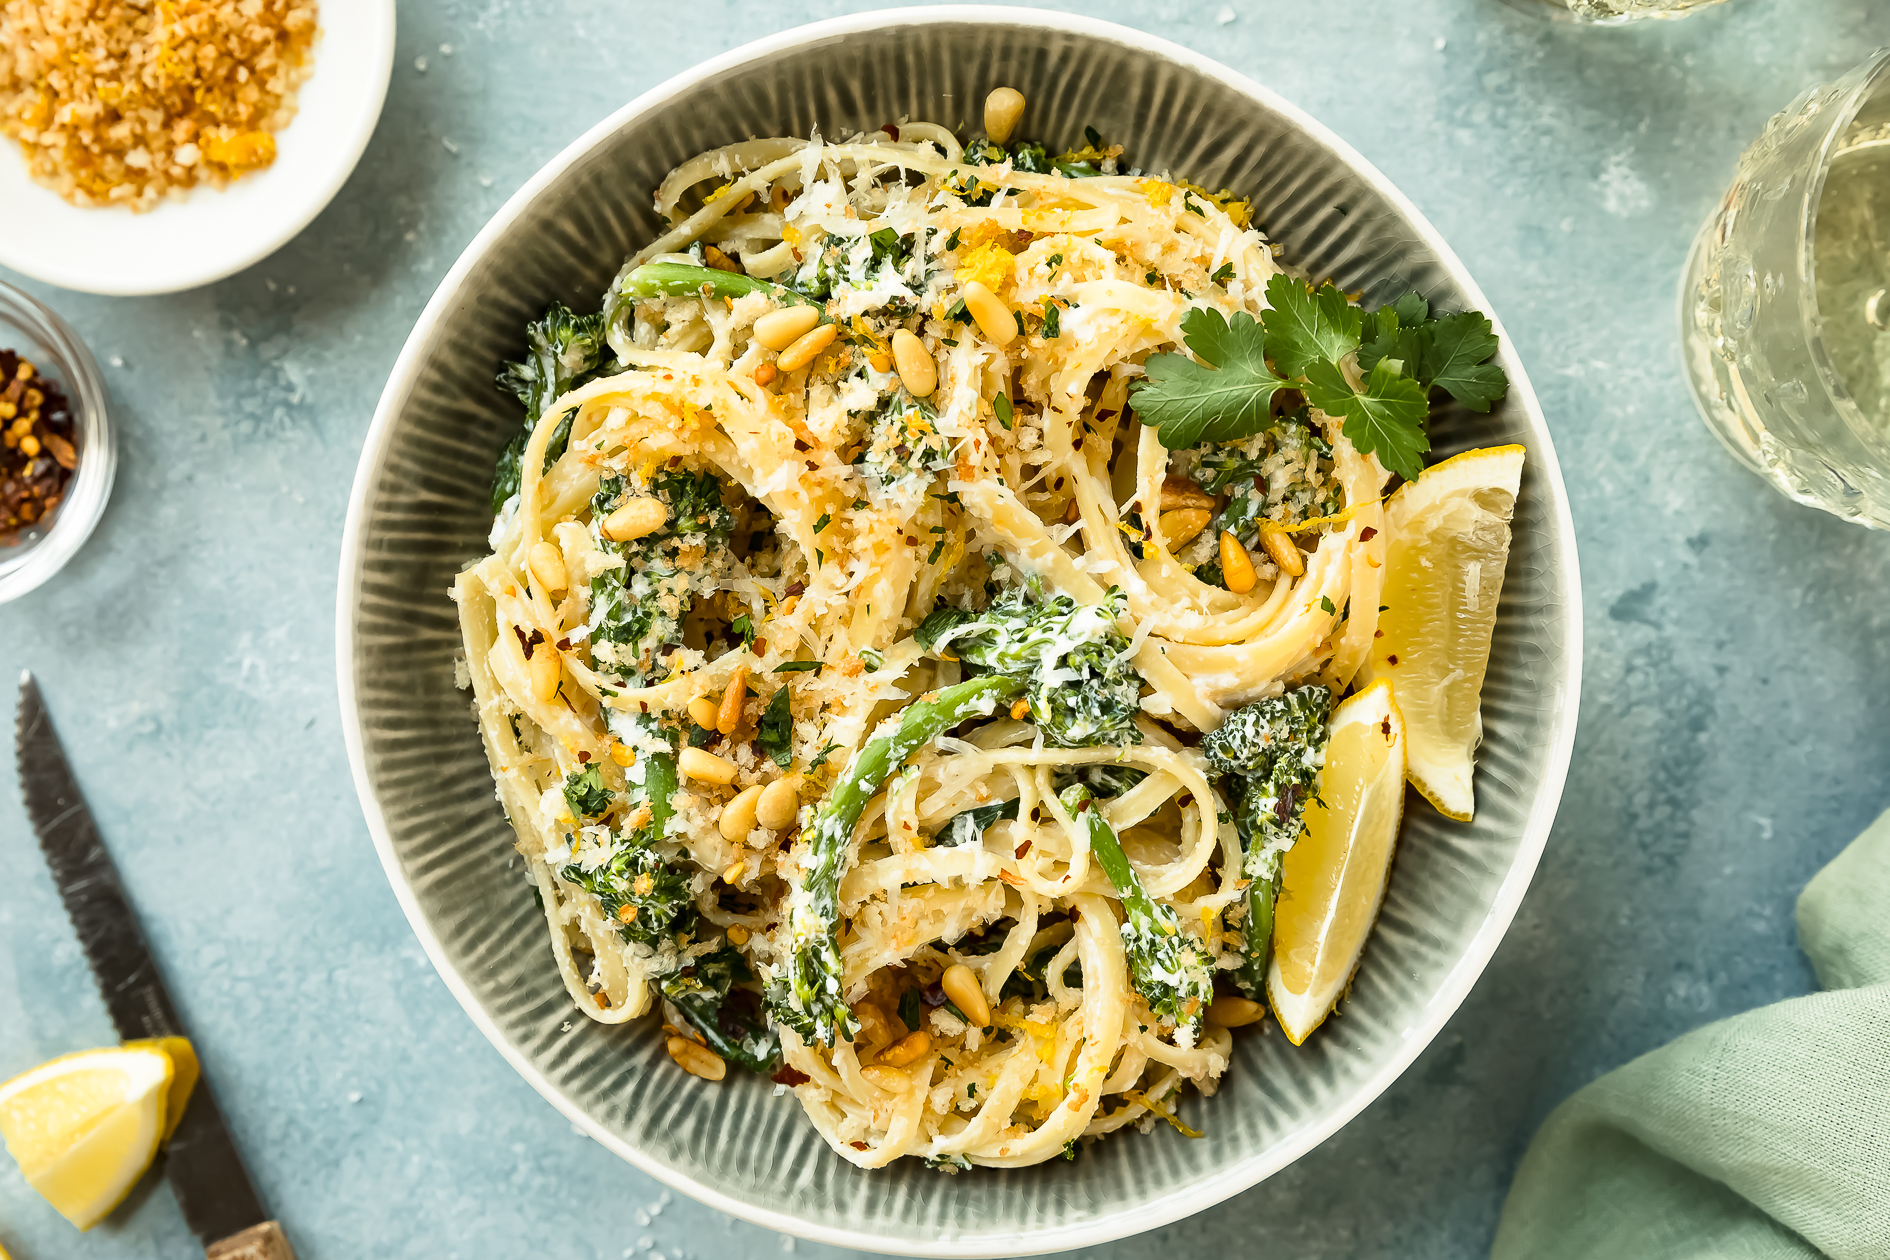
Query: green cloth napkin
{"points": [[1765, 1135]]}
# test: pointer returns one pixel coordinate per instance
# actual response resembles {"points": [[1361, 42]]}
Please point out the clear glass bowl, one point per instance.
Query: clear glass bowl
{"points": [[35, 554]]}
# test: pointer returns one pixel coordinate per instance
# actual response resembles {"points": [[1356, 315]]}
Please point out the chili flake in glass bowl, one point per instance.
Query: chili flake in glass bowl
{"points": [[57, 453]]}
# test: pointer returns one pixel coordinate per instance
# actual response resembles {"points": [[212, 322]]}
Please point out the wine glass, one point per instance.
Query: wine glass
{"points": [[1785, 322]]}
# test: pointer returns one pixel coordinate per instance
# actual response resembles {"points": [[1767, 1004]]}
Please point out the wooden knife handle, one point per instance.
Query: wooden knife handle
{"points": [[259, 1242]]}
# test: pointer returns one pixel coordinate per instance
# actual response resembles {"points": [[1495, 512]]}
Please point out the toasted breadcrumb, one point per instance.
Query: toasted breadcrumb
{"points": [[126, 102]]}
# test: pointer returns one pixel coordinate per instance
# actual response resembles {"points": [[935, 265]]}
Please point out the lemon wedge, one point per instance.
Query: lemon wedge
{"points": [[185, 1071], [1333, 879], [85, 1126], [1444, 558]]}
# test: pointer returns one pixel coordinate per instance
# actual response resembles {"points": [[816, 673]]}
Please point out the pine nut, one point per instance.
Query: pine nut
{"points": [[738, 816], [696, 1059], [890, 1079], [1283, 551], [1183, 525], [729, 716], [706, 766], [765, 374], [1234, 1012], [918, 371], [988, 309], [780, 802], [777, 330], [547, 671], [635, 519], [1179, 492], [1002, 109], [802, 352], [1236, 565], [875, 1028], [547, 565], [961, 986], [907, 1050], [737, 934], [703, 712]]}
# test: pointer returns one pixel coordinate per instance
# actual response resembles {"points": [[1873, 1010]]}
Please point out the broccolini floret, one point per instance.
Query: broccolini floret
{"points": [[1274, 750], [1080, 685], [563, 351], [1170, 968]]}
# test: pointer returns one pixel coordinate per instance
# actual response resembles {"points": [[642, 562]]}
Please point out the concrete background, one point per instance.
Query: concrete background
{"points": [[1736, 718]]}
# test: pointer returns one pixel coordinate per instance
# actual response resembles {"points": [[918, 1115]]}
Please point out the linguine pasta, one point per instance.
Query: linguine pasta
{"points": [[695, 725]]}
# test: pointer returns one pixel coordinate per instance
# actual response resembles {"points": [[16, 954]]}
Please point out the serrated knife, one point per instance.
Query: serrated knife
{"points": [[206, 1173]]}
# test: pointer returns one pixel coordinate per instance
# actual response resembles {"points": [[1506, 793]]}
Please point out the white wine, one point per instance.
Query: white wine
{"points": [[1851, 255]]}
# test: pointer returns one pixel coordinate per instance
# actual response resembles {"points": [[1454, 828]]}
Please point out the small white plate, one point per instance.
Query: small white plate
{"points": [[182, 244]]}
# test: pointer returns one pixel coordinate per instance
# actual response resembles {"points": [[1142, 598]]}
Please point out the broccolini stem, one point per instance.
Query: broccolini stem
{"points": [[1251, 975], [684, 280], [1169, 968], [812, 999]]}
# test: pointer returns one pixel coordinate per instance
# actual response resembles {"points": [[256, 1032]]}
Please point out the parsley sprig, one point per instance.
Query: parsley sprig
{"points": [[1298, 344]]}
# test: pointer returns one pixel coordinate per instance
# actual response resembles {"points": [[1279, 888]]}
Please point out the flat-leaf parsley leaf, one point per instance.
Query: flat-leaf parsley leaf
{"points": [[1223, 397], [1300, 342]]}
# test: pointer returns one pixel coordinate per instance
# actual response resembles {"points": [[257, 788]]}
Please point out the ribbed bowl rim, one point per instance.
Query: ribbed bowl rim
{"points": [[1236, 1176]]}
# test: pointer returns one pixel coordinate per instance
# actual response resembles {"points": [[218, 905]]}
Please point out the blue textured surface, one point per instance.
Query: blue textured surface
{"points": [[1736, 718]]}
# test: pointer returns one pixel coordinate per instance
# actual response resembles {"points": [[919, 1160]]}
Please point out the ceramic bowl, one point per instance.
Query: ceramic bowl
{"points": [[215, 232], [419, 512]]}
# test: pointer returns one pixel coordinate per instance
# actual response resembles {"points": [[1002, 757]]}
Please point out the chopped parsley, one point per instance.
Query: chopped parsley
{"points": [[1002, 406], [798, 667]]}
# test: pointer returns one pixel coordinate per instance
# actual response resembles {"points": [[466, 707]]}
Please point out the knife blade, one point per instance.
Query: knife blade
{"points": [[213, 1188]]}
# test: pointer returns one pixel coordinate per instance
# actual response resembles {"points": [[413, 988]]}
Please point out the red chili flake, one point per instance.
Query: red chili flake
{"points": [[1378, 634], [859, 1146], [37, 457], [1385, 726], [1022, 849], [1367, 534], [761, 647], [564, 645], [890, 130], [801, 446], [785, 1075], [583, 756], [1392, 659], [795, 588], [645, 704]]}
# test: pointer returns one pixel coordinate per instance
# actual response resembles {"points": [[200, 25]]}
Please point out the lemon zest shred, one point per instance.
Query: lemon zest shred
{"points": [[1137, 1096]]}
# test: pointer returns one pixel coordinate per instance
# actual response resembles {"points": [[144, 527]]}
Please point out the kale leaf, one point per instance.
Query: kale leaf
{"points": [[968, 826], [729, 1017]]}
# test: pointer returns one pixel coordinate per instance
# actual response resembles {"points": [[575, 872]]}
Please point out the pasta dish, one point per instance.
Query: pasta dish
{"points": [[916, 609]]}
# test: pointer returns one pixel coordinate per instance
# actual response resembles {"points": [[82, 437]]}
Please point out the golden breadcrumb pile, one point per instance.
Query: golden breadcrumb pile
{"points": [[123, 102]]}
